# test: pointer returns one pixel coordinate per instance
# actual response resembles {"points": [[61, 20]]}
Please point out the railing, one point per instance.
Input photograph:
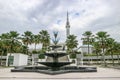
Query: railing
{"points": [[99, 57]]}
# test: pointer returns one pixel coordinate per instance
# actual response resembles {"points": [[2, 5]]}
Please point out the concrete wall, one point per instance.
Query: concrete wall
{"points": [[35, 58], [19, 59], [79, 58], [16, 59]]}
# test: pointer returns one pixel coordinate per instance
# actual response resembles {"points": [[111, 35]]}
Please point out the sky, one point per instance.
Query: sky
{"points": [[84, 15]]}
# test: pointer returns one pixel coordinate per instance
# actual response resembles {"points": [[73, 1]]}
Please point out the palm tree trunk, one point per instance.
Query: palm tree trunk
{"points": [[35, 46], [97, 57], [112, 59], [1, 59], [27, 49], [9, 57], [42, 47], [118, 58], [88, 50], [103, 55], [11, 50]]}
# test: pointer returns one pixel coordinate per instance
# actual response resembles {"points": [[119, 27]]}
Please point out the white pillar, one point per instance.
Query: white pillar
{"points": [[80, 59]]}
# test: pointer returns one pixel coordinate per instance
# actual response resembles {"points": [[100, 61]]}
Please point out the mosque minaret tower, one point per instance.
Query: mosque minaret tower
{"points": [[67, 26]]}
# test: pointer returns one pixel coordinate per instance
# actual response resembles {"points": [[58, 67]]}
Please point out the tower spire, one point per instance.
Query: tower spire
{"points": [[67, 23], [67, 26]]}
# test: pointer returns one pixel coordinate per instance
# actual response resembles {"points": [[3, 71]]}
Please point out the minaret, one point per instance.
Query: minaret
{"points": [[67, 26]]}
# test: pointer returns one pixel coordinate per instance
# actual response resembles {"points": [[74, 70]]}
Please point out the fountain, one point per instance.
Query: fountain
{"points": [[54, 65]]}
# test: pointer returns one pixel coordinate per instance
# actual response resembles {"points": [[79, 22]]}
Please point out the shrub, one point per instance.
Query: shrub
{"points": [[73, 56], [41, 56]]}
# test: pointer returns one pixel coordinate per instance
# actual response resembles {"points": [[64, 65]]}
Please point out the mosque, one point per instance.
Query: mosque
{"points": [[83, 48]]}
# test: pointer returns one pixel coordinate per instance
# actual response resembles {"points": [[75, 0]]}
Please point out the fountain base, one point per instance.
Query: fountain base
{"points": [[46, 70]]}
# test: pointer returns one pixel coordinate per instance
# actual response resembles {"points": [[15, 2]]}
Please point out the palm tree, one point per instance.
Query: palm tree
{"points": [[13, 38], [17, 47], [45, 39], [27, 38], [5, 39], [101, 38], [117, 50], [1, 51], [71, 43], [36, 40], [8, 40], [24, 49], [88, 39], [110, 47], [96, 50]]}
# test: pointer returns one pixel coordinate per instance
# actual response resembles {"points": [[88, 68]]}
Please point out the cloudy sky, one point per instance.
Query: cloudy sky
{"points": [[84, 15]]}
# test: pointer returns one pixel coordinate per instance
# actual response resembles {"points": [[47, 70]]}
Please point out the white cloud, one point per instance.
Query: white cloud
{"points": [[35, 15]]}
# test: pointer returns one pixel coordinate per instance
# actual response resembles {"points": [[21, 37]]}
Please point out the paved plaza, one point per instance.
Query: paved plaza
{"points": [[101, 74]]}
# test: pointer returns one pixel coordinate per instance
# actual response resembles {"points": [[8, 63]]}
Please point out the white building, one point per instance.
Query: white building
{"points": [[16, 59], [84, 49]]}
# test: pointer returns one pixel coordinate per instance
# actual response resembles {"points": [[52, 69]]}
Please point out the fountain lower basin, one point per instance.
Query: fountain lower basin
{"points": [[47, 70]]}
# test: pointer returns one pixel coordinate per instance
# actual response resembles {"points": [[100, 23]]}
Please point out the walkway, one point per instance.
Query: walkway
{"points": [[102, 74]]}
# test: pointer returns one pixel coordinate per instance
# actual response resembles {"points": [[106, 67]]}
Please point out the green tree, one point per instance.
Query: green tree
{"points": [[18, 47], [97, 49], [110, 48], [88, 39], [101, 38], [71, 43], [24, 49], [5, 40], [45, 39], [1, 51], [13, 38], [9, 39], [13, 35], [117, 50], [27, 39], [36, 40]]}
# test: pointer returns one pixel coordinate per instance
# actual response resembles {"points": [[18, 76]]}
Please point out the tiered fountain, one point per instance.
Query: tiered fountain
{"points": [[53, 64]]}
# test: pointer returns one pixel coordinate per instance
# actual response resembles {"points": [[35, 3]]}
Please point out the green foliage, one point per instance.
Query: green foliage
{"points": [[41, 56], [71, 43], [73, 56], [36, 39], [45, 39], [11, 42], [35, 52], [77, 52], [88, 38], [27, 38]]}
